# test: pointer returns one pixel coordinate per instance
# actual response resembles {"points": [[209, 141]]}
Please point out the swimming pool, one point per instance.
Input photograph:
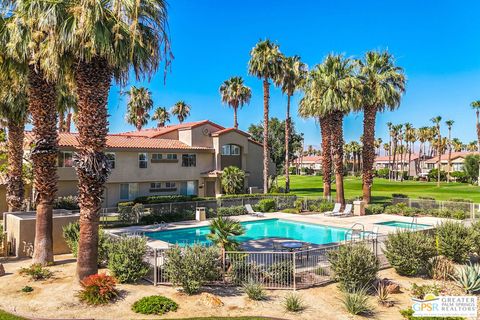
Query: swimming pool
{"points": [[404, 225], [256, 230]]}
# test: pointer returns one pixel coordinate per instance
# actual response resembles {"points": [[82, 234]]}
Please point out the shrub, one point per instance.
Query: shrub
{"points": [[383, 173], [421, 291], [355, 266], [254, 290], [223, 231], [475, 237], [290, 210], [71, 234], [409, 252], [356, 302], [293, 302], [374, 209], [383, 297], [460, 176], [454, 241], [399, 195], [193, 267], [27, 289], [126, 259], [231, 211], [37, 272], [441, 268], [401, 209], [233, 179], [163, 199], [131, 214], [154, 305], [320, 205], [98, 289], [298, 204], [408, 315], [433, 175], [281, 272], [266, 205], [467, 277], [241, 270], [67, 203]]}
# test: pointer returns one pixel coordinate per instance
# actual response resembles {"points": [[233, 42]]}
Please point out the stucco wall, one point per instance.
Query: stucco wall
{"points": [[255, 165]]}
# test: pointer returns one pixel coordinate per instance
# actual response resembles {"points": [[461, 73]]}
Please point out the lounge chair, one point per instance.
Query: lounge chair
{"points": [[346, 212], [252, 212], [336, 210]]}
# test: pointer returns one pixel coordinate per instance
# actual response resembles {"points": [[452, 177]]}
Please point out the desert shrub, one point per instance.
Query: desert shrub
{"points": [[67, 203], [192, 267], [383, 297], [27, 289], [354, 266], [37, 272], [266, 205], [98, 289], [408, 315], [356, 302], [242, 270], [320, 205], [383, 173], [281, 272], [71, 234], [433, 175], [126, 259], [467, 277], [421, 291], [475, 237], [374, 209], [154, 305], [409, 252], [293, 302], [231, 211], [441, 268], [401, 209], [254, 290], [298, 204], [453, 241]]}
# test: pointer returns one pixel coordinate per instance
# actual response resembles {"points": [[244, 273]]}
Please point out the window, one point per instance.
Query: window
{"points": [[172, 156], [170, 185], [230, 150], [142, 160], [110, 159], [189, 160], [156, 156], [160, 156], [124, 191], [65, 159], [162, 186], [128, 191], [155, 186]]}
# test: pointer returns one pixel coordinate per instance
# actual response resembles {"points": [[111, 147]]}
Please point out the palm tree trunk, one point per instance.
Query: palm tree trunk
{"points": [[337, 147], [68, 122], [43, 108], [449, 154], [15, 188], [368, 151], [287, 142], [390, 157], [93, 84], [394, 166], [325, 127], [61, 122], [235, 117], [266, 157]]}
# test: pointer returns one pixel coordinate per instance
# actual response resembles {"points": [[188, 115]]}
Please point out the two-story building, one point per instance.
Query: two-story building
{"points": [[183, 159], [308, 162], [457, 159]]}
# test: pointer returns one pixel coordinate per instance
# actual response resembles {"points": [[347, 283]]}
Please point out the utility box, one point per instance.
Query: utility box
{"points": [[201, 214], [358, 208]]}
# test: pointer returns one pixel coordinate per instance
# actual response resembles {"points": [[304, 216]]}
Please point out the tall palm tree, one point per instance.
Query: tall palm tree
{"points": [[410, 139], [383, 86], [386, 149], [162, 116], [422, 135], [378, 145], [449, 124], [265, 63], [436, 121], [106, 40], [457, 145], [472, 146], [293, 75], [181, 109], [396, 135], [390, 125], [476, 106], [235, 94], [139, 104]]}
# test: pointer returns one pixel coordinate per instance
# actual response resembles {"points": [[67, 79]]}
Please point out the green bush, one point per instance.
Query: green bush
{"points": [[281, 272], [126, 258], [433, 175], [374, 209], [408, 315], [158, 215], [131, 214], [154, 305], [293, 302], [475, 237], [266, 205], [231, 211], [454, 241], [37, 272], [409, 252], [401, 209], [421, 291], [320, 205], [383, 173], [254, 290], [298, 204], [460, 176], [290, 210], [27, 289], [71, 234], [356, 302], [399, 195], [192, 267], [164, 199], [98, 289], [67, 203], [354, 266]]}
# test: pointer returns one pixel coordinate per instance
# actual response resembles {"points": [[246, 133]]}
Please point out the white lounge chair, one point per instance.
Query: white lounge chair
{"points": [[252, 212], [346, 212], [335, 211]]}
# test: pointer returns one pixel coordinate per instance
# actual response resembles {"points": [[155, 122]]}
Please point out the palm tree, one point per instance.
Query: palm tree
{"points": [[293, 75], [265, 63], [383, 86], [235, 94], [162, 116], [106, 40], [66, 103], [222, 231], [389, 125], [410, 139], [457, 145], [386, 149], [378, 145], [436, 121], [422, 135], [472, 146], [181, 109], [396, 134], [476, 106], [449, 124], [233, 180], [139, 104]]}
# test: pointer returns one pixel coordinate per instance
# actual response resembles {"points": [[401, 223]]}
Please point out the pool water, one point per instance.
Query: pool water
{"points": [[404, 225], [256, 230]]}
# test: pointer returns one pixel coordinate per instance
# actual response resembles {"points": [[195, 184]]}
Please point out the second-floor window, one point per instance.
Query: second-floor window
{"points": [[65, 159], [111, 159], [189, 160], [230, 150], [160, 156], [142, 160]]}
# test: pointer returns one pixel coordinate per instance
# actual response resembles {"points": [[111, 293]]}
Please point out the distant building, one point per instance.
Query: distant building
{"points": [[308, 162], [401, 161], [457, 160]]}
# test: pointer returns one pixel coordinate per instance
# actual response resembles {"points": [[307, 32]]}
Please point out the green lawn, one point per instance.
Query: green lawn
{"points": [[8, 316], [383, 189]]}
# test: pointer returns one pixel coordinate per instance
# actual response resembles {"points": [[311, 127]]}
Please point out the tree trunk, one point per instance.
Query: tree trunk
{"points": [[235, 117], [368, 151], [325, 126], [337, 150], [449, 155], [15, 188], [93, 84], [394, 168], [287, 142], [439, 156], [266, 157], [390, 157], [68, 122], [42, 104], [61, 122]]}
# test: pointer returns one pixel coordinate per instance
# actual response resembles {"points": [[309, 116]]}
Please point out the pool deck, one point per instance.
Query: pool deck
{"points": [[369, 222]]}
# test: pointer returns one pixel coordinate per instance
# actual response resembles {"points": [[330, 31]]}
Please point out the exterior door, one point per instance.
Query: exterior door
{"points": [[191, 188], [210, 188]]}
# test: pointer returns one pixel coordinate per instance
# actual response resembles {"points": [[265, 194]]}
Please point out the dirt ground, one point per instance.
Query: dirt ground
{"points": [[56, 298]]}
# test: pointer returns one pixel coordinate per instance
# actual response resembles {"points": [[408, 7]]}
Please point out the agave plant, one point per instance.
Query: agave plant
{"points": [[468, 277]]}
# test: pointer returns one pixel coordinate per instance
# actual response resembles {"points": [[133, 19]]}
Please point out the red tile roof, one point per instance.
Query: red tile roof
{"points": [[444, 157], [227, 130], [414, 156], [308, 159], [157, 132]]}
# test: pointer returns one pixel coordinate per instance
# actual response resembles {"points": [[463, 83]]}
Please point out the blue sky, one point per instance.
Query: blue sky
{"points": [[436, 42]]}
